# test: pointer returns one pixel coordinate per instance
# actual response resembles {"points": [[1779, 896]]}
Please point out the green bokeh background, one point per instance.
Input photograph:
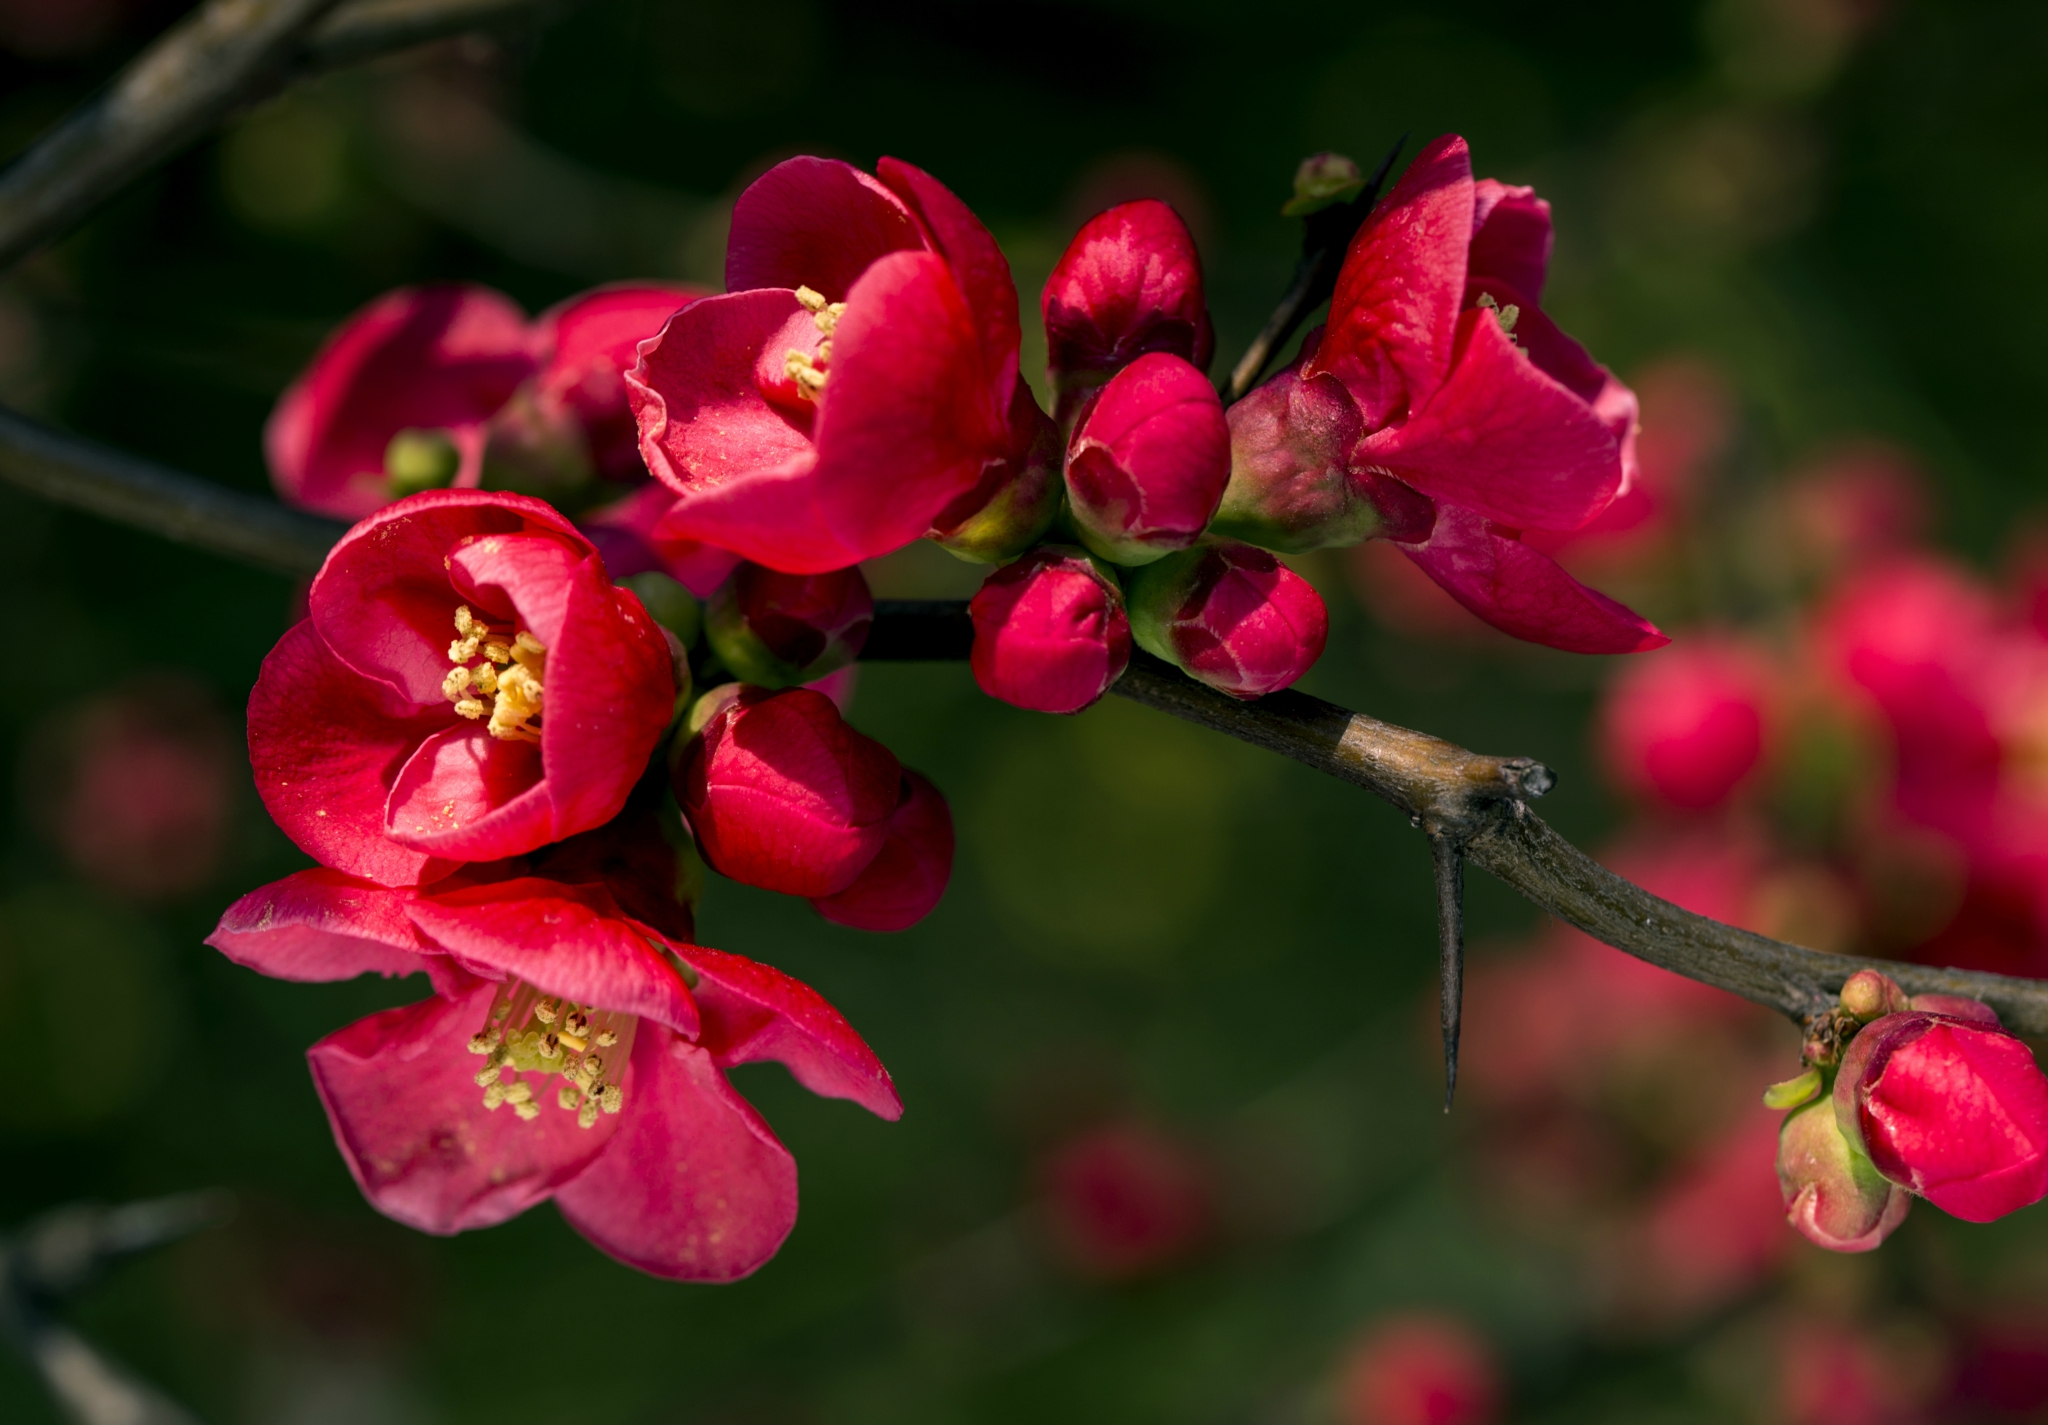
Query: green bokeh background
{"points": [[1841, 204]]}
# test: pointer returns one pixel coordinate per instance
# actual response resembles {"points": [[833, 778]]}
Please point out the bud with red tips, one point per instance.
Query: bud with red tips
{"points": [[1017, 498], [1050, 632], [1950, 1108], [1231, 615], [778, 630], [1833, 1195], [1290, 441], [909, 874], [783, 795], [1129, 283], [1147, 466]]}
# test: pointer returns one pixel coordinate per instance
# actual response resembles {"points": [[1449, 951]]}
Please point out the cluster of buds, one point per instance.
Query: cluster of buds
{"points": [[1903, 1097]]}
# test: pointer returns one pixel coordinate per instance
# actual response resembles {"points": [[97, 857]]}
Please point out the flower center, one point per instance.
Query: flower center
{"points": [[1507, 316], [809, 371], [528, 1032], [508, 671]]}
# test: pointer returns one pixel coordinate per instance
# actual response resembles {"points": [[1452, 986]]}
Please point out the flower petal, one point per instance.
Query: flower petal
{"points": [[322, 925], [754, 1012], [1522, 592], [978, 264], [590, 341], [695, 1187], [817, 223], [1510, 238], [470, 796], [567, 940], [437, 357], [400, 1091], [1503, 438], [326, 744], [1395, 311]]}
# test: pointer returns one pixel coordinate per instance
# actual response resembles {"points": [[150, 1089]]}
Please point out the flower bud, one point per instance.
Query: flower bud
{"points": [[1050, 633], [534, 445], [1870, 994], [1289, 489], [1833, 1195], [416, 460], [778, 630], [1952, 1109], [909, 874], [1149, 461], [1129, 283], [783, 795], [1231, 615], [1687, 727], [1321, 180], [1017, 498], [1419, 1369], [1126, 1200]]}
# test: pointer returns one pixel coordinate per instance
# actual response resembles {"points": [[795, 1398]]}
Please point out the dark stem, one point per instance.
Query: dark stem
{"points": [[1449, 866], [1325, 237]]}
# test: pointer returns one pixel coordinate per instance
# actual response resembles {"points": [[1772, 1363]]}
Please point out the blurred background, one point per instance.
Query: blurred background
{"points": [[1173, 1150]]}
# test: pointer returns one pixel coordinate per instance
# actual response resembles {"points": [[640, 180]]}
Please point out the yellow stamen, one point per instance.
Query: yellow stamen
{"points": [[515, 693], [527, 1032]]}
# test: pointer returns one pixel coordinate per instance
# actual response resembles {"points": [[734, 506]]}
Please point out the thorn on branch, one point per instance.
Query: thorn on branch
{"points": [[1449, 864]]}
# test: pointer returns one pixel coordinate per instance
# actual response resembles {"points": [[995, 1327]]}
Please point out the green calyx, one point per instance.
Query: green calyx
{"points": [[418, 459], [1323, 180]]}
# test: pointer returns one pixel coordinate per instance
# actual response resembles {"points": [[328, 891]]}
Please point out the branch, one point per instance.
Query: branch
{"points": [[225, 55], [1481, 803], [129, 490]]}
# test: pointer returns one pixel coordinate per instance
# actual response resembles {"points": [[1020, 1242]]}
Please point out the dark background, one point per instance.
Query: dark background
{"points": [[1843, 206]]}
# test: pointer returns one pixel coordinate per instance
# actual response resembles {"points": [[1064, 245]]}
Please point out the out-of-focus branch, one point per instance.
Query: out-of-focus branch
{"points": [[128, 490], [223, 56], [54, 1258], [1479, 803]]}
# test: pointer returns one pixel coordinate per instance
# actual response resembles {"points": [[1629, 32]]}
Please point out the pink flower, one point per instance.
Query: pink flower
{"points": [[908, 876], [1230, 615], [1148, 462], [783, 795], [1419, 1368], [854, 383], [411, 392], [1126, 1200], [778, 630], [1468, 395], [1050, 632], [1129, 283], [572, 1050], [1688, 727], [1952, 1109], [400, 728]]}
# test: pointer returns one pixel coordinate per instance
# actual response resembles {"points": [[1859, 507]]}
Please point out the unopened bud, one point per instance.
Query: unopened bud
{"points": [[778, 630], [1017, 497], [1833, 1194], [909, 874], [535, 445], [1869, 995], [1050, 632], [1322, 180], [417, 460], [1974, 1011], [1149, 462], [783, 795], [1289, 488], [1950, 1108], [1128, 284], [1231, 615]]}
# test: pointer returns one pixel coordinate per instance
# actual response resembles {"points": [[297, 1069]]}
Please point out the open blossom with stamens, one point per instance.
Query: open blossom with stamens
{"points": [[427, 385], [855, 382], [468, 685], [1468, 401], [575, 1048]]}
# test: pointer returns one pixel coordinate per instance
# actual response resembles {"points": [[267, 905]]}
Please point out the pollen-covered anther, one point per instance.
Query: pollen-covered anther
{"points": [[508, 673], [527, 1032], [825, 315], [810, 380], [1507, 316]]}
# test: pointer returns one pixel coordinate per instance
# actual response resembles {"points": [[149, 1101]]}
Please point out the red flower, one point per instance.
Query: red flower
{"points": [[855, 382], [441, 367], [573, 1049], [1148, 462], [1126, 1200], [783, 795], [1129, 283], [1420, 1369], [1467, 393], [908, 876], [778, 630], [401, 727], [1688, 727], [1231, 615], [1050, 632], [1953, 1109]]}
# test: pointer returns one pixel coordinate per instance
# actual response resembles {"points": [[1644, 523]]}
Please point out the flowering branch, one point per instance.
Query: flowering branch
{"points": [[225, 55]]}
